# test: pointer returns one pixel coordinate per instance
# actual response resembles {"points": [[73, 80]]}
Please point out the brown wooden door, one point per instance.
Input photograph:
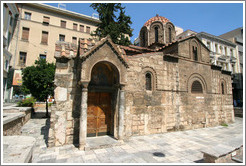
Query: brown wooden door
{"points": [[99, 114]]}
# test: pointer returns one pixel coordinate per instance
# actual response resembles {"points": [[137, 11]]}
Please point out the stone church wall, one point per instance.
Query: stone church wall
{"points": [[170, 106]]}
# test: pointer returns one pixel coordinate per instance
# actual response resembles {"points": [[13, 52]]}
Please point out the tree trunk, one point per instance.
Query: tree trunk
{"points": [[47, 109]]}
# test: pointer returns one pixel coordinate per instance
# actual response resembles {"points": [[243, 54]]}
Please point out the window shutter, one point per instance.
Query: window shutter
{"points": [[25, 33], [63, 24], [46, 20], [74, 40], [75, 27], [88, 29], [44, 39], [81, 28]]}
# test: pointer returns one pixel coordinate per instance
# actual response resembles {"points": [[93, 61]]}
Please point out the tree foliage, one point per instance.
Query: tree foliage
{"points": [[39, 80], [117, 27]]}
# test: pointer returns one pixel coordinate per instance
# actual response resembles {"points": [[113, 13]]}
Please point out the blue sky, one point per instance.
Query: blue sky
{"points": [[213, 18]]}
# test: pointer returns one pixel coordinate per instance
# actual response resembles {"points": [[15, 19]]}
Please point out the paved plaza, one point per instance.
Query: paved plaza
{"points": [[172, 147]]}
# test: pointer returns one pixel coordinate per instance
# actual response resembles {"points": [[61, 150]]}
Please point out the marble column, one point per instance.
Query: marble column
{"points": [[121, 112], [83, 117]]}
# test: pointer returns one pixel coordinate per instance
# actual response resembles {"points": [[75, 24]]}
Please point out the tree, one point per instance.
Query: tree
{"points": [[117, 27], [39, 80]]}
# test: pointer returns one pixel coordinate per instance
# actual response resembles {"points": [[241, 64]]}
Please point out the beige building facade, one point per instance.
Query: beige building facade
{"points": [[40, 26]]}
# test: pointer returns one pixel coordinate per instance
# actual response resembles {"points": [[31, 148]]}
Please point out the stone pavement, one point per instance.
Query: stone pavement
{"points": [[172, 147]]}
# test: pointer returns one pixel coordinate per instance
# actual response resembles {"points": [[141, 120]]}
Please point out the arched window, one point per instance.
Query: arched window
{"points": [[156, 34], [170, 34], [194, 50], [196, 87], [143, 38], [148, 81], [222, 88]]}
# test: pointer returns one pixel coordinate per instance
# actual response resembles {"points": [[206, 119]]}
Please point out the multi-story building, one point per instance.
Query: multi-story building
{"points": [[40, 26], [236, 36], [10, 15]]}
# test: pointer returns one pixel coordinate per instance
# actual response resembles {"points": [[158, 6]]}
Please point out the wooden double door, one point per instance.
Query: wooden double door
{"points": [[99, 114]]}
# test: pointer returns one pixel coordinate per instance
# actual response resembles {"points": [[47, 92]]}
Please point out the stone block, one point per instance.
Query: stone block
{"points": [[61, 94]]}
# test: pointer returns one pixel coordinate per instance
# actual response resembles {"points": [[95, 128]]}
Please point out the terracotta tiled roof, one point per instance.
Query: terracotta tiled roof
{"points": [[156, 18]]}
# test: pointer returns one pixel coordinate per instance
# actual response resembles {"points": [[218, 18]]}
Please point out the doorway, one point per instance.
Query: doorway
{"points": [[102, 100]]}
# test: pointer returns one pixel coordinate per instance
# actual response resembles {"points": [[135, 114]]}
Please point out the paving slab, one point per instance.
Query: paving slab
{"points": [[18, 149], [177, 147]]}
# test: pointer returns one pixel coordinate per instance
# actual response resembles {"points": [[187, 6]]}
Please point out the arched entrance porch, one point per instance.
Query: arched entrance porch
{"points": [[103, 103]]}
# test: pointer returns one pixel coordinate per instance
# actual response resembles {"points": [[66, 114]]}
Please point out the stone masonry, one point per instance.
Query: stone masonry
{"points": [[186, 91]]}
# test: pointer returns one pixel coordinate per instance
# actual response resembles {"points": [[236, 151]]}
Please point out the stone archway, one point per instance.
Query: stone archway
{"points": [[102, 100]]}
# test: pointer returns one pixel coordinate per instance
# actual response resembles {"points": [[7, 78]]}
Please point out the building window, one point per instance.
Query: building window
{"points": [[25, 33], [75, 26], [208, 45], [22, 60], [44, 39], [196, 87], [74, 40], [221, 50], [28, 16], [42, 56], [46, 20], [148, 83], [61, 37], [81, 28], [194, 50], [222, 88], [63, 24], [6, 64], [170, 34], [216, 48], [231, 53], [156, 34], [226, 51], [88, 30], [143, 38]]}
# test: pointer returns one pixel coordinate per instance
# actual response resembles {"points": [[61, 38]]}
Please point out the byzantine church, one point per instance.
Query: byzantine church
{"points": [[163, 85]]}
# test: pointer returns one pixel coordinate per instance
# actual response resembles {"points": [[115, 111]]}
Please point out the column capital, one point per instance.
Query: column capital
{"points": [[83, 84]]}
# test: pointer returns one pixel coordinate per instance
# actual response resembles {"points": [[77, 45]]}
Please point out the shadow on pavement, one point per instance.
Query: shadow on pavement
{"points": [[45, 131]]}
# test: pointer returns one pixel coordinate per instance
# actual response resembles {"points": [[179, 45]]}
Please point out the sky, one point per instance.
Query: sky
{"points": [[213, 18]]}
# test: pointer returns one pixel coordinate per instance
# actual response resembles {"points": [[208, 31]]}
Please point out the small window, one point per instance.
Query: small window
{"points": [[143, 38], [148, 83], [225, 50], [61, 37], [74, 40], [156, 34], [222, 88], [208, 45], [216, 48], [44, 39], [25, 33], [6, 64], [196, 87], [170, 34], [63, 24], [221, 50], [42, 56], [88, 30], [22, 60], [27, 16], [231, 53], [81, 28], [46, 20], [75, 26], [194, 50]]}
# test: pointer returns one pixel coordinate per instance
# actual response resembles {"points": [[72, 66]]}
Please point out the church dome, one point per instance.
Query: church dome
{"points": [[156, 18]]}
